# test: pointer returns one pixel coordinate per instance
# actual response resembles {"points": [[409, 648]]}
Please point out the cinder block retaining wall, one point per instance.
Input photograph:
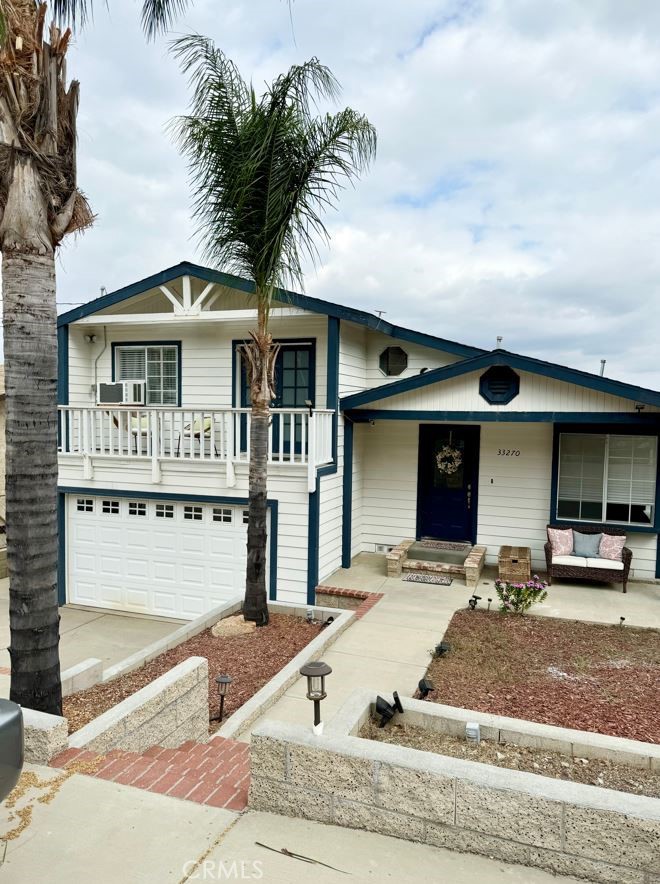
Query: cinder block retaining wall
{"points": [[562, 827], [167, 712]]}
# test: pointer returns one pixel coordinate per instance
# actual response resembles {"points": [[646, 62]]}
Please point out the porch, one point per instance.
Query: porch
{"points": [[298, 437]]}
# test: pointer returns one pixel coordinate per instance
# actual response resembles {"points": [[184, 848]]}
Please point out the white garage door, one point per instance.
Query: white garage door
{"points": [[170, 558]]}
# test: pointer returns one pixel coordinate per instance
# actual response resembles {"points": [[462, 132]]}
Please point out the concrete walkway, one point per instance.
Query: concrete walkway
{"points": [[92, 830], [388, 649], [88, 633]]}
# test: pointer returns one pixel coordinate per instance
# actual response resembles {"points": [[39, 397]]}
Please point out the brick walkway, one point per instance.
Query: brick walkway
{"points": [[216, 773]]}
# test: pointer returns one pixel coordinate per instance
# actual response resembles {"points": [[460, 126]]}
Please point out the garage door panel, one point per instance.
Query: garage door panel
{"points": [[174, 567]]}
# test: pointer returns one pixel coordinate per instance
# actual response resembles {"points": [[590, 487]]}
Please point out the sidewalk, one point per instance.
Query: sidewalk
{"points": [[92, 830]]}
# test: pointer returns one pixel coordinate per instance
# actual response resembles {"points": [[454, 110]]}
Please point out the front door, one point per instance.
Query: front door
{"points": [[448, 471]]}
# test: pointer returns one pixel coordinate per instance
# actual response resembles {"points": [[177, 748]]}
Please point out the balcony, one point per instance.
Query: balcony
{"points": [[296, 437]]}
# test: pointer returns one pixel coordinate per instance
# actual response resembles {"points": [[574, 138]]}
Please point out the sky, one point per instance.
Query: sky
{"points": [[516, 189]]}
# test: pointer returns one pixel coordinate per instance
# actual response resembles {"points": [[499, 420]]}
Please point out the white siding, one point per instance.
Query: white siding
{"points": [[536, 394], [330, 514], [388, 452], [352, 358], [357, 502], [206, 355], [514, 492]]}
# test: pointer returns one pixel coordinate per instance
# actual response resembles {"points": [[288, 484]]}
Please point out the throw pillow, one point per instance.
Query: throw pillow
{"points": [[586, 545], [611, 547], [561, 540]]}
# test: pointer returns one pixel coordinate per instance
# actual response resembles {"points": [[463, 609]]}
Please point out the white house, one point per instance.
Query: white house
{"points": [[153, 488]]}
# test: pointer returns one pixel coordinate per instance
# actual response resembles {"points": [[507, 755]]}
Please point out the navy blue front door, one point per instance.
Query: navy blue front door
{"points": [[447, 494]]}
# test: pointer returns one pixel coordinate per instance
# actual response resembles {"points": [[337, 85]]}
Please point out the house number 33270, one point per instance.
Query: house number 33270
{"points": [[508, 452]]}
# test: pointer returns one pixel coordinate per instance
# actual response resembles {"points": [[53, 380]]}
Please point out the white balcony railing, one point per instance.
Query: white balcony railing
{"points": [[295, 437]]}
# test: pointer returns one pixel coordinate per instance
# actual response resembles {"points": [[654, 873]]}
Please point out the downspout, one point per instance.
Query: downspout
{"points": [[96, 363]]}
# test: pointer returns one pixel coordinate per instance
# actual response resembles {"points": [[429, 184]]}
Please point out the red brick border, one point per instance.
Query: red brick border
{"points": [[369, 599]]}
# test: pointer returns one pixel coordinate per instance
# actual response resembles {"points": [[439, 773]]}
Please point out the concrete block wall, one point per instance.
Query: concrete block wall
{"points": [[167, 712], [564, 828]]}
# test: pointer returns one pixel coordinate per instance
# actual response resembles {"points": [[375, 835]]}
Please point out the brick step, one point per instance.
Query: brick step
{"points": [[215, 773], [432, 567]]}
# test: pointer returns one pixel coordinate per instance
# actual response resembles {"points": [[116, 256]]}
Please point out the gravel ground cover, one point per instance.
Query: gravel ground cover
{"points": [[591, 771], [251, 659], [586, 676]]}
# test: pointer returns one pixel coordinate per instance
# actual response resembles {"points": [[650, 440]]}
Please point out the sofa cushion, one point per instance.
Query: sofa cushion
{"points": [[573, 561], [586, 545], [611, 547], [561, 540], [605, 564]]}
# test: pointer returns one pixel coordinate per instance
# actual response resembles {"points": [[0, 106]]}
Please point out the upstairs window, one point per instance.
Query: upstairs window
{"points": [[156, 365], [393, 361], [607, 478]]}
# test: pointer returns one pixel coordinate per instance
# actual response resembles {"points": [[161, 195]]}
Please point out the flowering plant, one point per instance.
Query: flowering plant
{"points": [[517, 598], [448, 459]]}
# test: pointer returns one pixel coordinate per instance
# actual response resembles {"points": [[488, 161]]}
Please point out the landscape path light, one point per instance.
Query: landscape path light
{"points": [[223, 682], [315, 673]]}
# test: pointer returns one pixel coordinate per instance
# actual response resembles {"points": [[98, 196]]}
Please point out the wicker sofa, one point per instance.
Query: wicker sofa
{"points": [[574, 568]]}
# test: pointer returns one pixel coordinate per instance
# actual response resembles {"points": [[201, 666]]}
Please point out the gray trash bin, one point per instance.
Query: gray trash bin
{"points": [[11, 746]]}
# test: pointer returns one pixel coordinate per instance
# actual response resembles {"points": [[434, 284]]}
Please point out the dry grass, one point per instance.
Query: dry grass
{"points": [[561, 672]]}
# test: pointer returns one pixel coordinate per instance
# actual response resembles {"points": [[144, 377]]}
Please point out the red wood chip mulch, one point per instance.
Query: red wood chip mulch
{"points": [[566, 673], [251, 660]]}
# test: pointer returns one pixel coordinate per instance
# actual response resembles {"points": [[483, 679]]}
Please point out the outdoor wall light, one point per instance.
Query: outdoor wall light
{"points": [[386, 710], [425, 687], [472, 603], [442, 649], [223, 682], [310, 406], [315, 673]]}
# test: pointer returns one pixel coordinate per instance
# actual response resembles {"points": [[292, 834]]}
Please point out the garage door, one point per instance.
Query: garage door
{"points": [[171, 558]]}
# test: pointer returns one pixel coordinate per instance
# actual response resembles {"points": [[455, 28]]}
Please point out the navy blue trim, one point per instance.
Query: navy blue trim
{"points": [[177, 344], [606, 427], [63, 365], [579, 417], [314, 305], [314, 510], [347, 496], [657, 559], [513, 360], [61, 547], [273, 505], [332, 389]]}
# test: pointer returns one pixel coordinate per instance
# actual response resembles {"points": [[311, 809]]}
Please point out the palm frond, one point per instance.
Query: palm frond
{"points": [[157, 15], [265, 169]]}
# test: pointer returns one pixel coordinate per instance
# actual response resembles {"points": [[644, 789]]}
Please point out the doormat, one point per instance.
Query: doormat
{"points": [[438, 579], [445, 544]]}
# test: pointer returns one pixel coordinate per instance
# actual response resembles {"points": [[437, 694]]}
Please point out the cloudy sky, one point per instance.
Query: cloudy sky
{"points": [[517, 186]]}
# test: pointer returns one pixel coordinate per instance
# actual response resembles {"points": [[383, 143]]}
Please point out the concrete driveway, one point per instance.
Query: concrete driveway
{"points": [[95, 633]]}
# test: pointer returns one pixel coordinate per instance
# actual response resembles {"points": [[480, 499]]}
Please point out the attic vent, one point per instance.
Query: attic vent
{"points": [[499, 385], [393, 361]]}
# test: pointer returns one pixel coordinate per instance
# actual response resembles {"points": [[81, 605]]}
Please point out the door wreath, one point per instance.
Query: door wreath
{"points": [[448, 459]]}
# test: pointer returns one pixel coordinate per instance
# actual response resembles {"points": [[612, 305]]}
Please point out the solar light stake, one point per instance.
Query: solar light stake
{"points": [[621, 619], [223, 682], [315, 673], [472, 603], [490, 602]]}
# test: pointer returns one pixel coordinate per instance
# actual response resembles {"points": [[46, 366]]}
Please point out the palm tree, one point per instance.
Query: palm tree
{"points": [[263, 170], [40, 203]]}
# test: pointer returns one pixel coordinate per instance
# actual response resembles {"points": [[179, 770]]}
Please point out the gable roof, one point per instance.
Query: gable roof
{"points": [[305, 302], [514, 360]]}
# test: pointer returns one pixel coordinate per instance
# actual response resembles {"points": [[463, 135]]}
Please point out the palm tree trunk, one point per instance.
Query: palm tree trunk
{"points": [[30, 341], [260, 372]]}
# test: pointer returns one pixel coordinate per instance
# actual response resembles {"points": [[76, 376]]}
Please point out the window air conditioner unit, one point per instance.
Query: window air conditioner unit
{"points": [[121, 393]]}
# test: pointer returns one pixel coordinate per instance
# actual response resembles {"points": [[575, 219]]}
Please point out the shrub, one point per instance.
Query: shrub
{"points": [[516, 598]]}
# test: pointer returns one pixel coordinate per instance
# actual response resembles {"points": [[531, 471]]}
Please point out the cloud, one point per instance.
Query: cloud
{"points": [[518, 172]]}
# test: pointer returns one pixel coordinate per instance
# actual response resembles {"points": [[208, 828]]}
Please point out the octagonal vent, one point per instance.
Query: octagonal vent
{"points": [[393, 361], [499, 385]]}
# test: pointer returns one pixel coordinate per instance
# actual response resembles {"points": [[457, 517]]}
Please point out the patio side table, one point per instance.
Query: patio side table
{"points": [[514, 564]]}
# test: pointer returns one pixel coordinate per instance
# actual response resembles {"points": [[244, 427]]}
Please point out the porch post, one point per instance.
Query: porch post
{"points": [[347, 495]]}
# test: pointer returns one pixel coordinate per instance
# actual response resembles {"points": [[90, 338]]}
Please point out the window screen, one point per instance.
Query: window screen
{"points": [[158, 366]]}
